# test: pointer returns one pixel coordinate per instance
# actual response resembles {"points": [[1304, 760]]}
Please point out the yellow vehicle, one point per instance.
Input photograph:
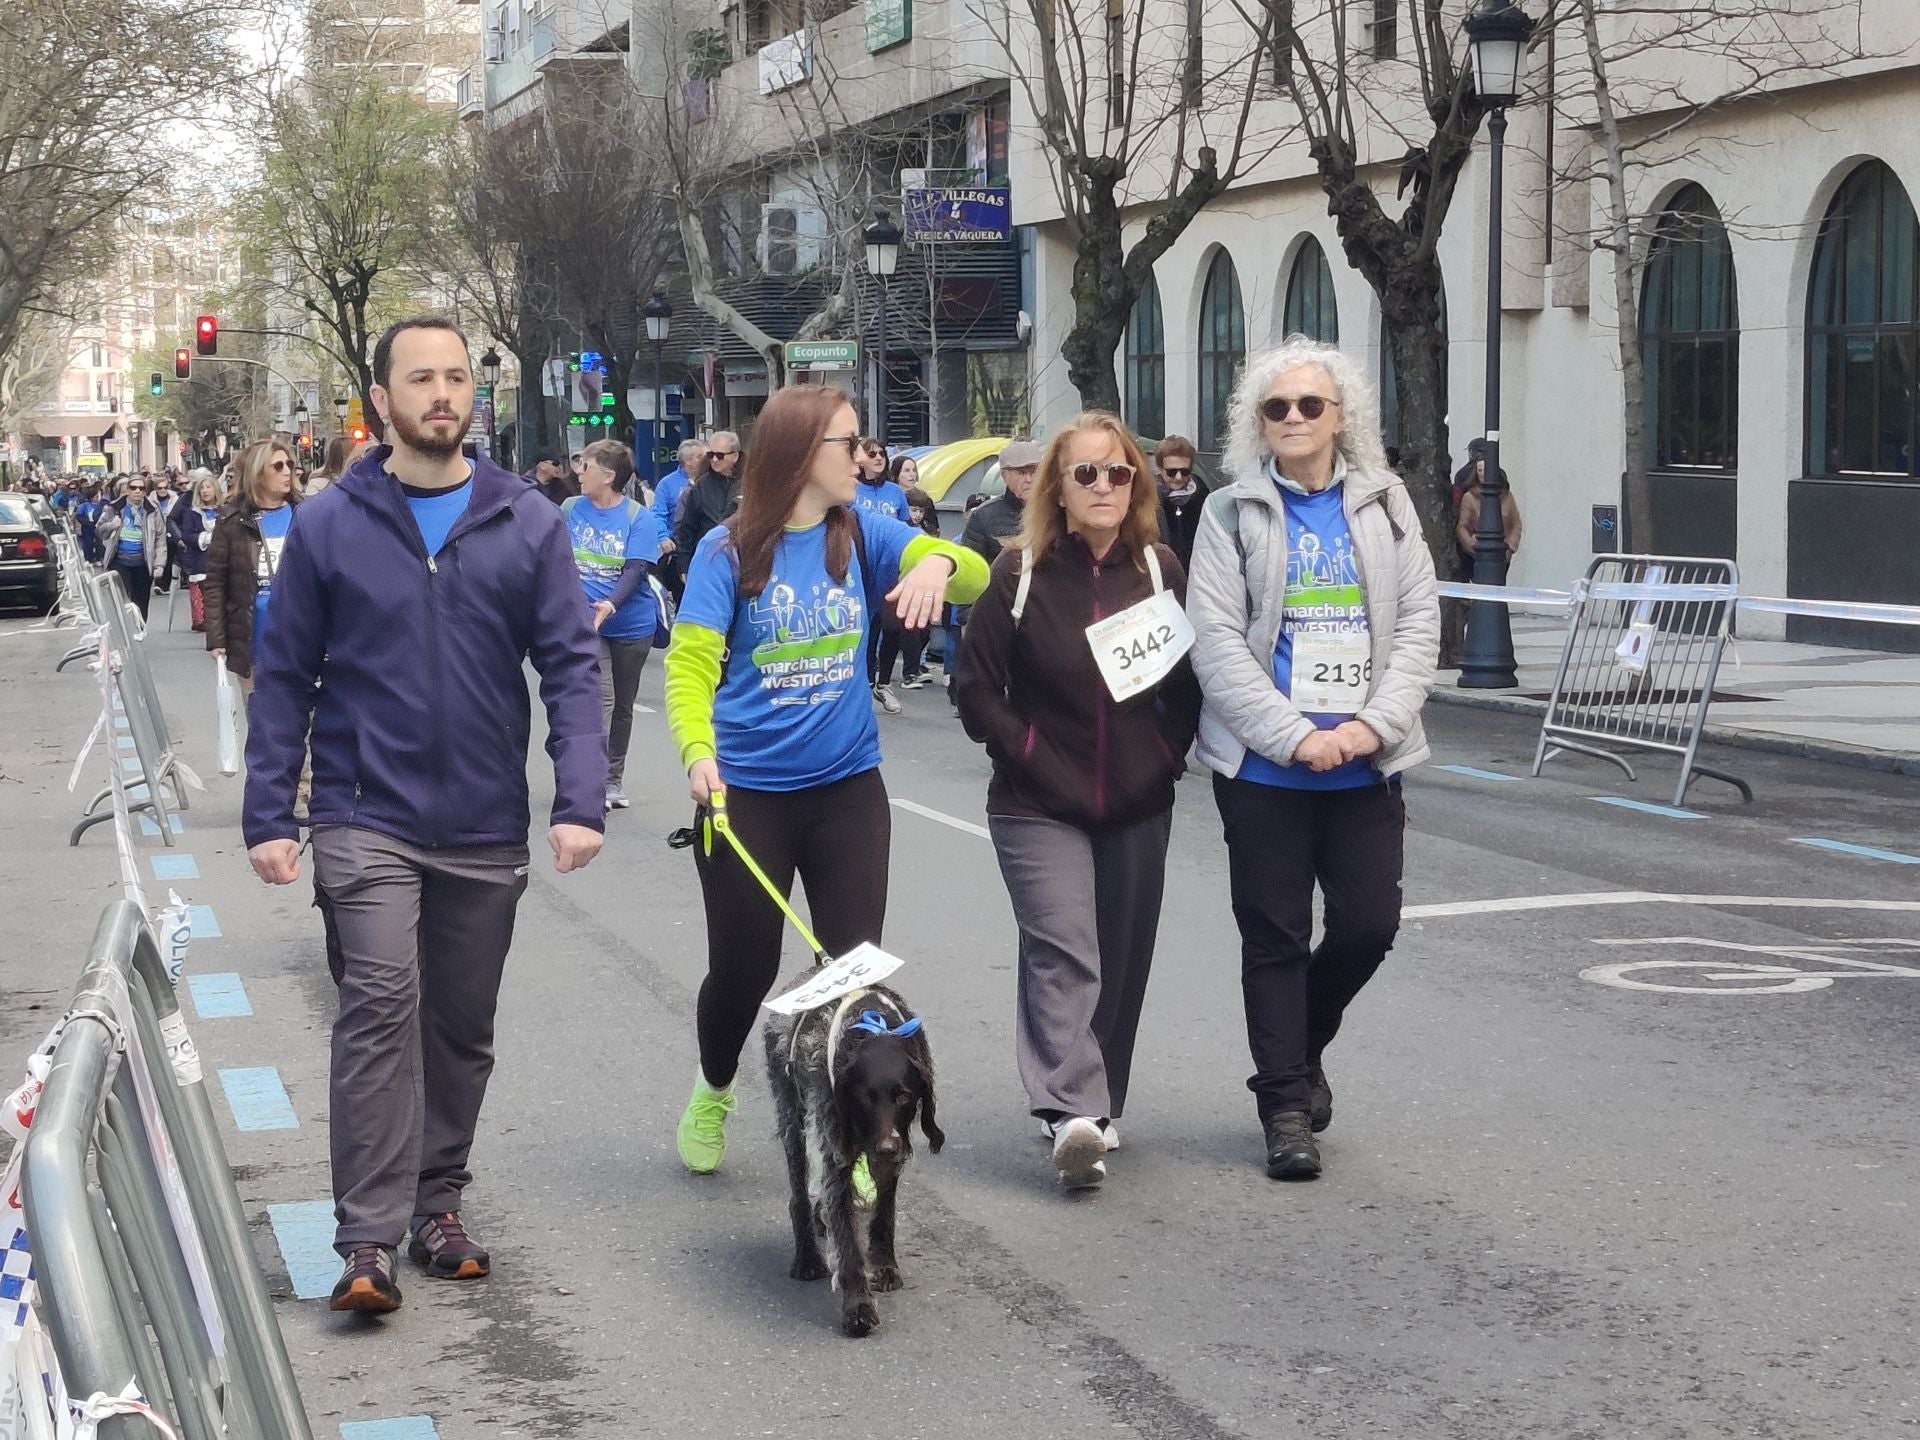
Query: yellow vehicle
{"points": [[950, 473], [90, 464]]}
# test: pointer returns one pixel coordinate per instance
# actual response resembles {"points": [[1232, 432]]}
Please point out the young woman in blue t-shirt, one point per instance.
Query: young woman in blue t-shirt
{"points": [[768, 699]]}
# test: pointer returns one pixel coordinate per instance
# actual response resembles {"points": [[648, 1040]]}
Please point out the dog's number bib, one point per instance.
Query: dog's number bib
{"points": [[860, 967], [1331, 673]]}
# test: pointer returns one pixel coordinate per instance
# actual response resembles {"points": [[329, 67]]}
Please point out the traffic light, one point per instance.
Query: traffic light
{"points": [[357, 434], [182, 362], [206, 335], [156, 384]]}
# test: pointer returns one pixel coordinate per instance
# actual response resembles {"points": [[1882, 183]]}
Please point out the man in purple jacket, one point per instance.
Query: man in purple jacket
{"points": [[411, 592]]}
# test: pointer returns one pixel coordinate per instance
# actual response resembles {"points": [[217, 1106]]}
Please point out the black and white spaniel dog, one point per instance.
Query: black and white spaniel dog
{"points": [[848, 1079]]}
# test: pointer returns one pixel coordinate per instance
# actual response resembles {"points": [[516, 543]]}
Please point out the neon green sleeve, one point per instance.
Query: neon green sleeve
{"points": [[970, 573], [694, 662]]}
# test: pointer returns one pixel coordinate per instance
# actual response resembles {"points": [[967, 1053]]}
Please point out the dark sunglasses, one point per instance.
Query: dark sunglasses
{"points": [[1311, 407], [1176, 472], [852, 442], [1119, 475]]}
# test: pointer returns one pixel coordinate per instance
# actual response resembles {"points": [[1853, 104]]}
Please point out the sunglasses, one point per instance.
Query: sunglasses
{"points": [[280, 465], [1311, 407], [1119, 475], [1176, 472], [852, 442], [721, 454]]}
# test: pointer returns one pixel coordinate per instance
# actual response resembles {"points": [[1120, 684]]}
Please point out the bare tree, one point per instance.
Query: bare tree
{"points": [[1131, 114], [92, 88], [341, 222], [1647, 116]]}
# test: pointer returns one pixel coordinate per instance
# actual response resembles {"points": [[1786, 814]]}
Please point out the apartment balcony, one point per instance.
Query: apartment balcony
{"points": [[470, 95]]}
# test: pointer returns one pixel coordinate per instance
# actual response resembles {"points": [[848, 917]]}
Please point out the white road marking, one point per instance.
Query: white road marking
{"points": [[1738, 977], [944, 819], [1516, 903]]}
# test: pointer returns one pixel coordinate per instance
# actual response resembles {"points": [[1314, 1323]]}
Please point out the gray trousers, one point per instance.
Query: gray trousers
{"points": [[621, 662], [1088, 907], [423, 937]]}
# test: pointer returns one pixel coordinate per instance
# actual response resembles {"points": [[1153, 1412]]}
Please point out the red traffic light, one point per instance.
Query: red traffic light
{"points": [[182, 362], [357, 433], [206, 335]]}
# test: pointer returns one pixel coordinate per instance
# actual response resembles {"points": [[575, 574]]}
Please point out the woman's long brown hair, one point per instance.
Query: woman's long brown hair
{"points": [[786, 436], [250, 474]]}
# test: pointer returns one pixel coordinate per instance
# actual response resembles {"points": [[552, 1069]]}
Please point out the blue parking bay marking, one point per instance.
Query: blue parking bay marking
{"points": [[401, 1427], [1474, 773], [147, 827], [304, 1231], [175, 867], [258, 1099], [219, 997], [205, 927], [1866, 852], [125, 742], [1644, 807]]}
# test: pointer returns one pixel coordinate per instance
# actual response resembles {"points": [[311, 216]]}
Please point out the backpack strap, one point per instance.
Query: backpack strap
{"points": [[1153, 568], [1024, 587]]}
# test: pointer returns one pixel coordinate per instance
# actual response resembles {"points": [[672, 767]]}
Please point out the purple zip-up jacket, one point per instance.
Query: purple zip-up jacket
{"points": [[421, 722]]}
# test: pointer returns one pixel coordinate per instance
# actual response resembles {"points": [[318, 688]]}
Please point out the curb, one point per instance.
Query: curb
{"points": [[1830, 752]]}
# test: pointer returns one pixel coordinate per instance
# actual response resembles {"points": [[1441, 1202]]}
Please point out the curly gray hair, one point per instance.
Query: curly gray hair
{"points": [[1358, 440]]}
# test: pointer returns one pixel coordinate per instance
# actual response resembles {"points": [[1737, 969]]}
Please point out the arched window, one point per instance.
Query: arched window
{"points": [[1223, 346], [1147, 364], [1690, 336], [1389, 378], [1863, 332], [1311, 309]]}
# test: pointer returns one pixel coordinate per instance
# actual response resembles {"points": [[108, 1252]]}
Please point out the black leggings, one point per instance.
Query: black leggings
{"points": [[139, 582], [839, 838], [910, 646]]}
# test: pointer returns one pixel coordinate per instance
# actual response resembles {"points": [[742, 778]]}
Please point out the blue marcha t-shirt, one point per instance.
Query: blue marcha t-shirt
{"points": [[436, 512], [1323, 599], [793, 709], [886, 499], [274, 525], [603, 542], [132, 548]]}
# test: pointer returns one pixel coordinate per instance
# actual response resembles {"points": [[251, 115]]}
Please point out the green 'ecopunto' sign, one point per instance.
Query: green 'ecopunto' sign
{"points": [[823, 354], [888, 23]]}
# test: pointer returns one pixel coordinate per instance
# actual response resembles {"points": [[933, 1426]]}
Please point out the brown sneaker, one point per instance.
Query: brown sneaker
{"points": [[442, 1245], [367, 1283]]}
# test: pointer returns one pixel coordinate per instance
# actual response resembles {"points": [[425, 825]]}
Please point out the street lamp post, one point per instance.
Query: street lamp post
{"points": [[1497, 37], [659, 315], [883, 257], [300, 418], [490, 370]]}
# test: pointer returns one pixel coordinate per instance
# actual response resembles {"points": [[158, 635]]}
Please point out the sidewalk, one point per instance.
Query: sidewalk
{"points": [[1856, 707]]}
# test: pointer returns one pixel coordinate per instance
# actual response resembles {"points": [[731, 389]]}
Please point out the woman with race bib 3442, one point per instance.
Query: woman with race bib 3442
{"points": [[768, 699], [1078, 681], [1317, 630]]}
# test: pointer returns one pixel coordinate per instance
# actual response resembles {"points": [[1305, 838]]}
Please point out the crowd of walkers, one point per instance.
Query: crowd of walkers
{"points": [[1105, 617]]}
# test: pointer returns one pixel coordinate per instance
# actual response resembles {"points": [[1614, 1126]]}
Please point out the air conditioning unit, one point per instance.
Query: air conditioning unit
{"points": [[792, 238]]}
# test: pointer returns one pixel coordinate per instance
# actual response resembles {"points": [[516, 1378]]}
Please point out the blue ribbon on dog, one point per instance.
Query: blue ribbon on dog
{"points": [[872, 1022]]}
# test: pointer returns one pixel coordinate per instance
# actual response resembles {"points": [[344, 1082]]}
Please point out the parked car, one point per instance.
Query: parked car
{"points": [[29, 573]]}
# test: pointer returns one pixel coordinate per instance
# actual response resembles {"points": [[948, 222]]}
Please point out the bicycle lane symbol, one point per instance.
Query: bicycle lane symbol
{"points": [[1754, 977]]}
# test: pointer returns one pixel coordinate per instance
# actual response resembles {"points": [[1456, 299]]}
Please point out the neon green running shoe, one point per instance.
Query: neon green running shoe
{"points": [[703, 1127], [865, 1192]]}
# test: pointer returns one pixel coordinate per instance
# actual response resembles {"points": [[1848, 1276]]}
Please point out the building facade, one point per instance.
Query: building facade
{"points": [[1775, 248]]}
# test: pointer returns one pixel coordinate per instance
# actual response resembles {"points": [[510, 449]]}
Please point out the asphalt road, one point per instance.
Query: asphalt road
{"points": [[1553, 1206]]}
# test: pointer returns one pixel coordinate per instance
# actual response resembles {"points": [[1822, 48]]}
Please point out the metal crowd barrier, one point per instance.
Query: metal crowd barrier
{"points": [[87, 605], [1644, 642], [144, 1267], [139, 700]]}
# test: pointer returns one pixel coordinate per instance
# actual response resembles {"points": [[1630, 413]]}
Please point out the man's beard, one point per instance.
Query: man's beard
{"points": [[415, 437]]}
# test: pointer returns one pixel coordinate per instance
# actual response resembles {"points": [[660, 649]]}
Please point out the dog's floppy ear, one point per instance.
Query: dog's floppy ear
{"points": [[923, 1078]]}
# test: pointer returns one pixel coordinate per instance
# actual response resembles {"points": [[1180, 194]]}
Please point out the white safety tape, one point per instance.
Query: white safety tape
{"points": [[88, 1413], [1522, 598]]}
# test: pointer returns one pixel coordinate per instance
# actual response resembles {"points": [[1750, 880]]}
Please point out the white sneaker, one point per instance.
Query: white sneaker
{"points": [[884, 697], [616, 798], [1107, 1128], [1077, 1152]]}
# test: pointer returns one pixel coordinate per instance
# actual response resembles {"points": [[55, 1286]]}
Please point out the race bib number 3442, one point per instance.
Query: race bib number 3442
{"points": [[1136, 648]]}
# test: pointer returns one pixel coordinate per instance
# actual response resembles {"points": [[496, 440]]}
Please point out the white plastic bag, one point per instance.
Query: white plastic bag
{"points": [[175, 927], [227, 718]]}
